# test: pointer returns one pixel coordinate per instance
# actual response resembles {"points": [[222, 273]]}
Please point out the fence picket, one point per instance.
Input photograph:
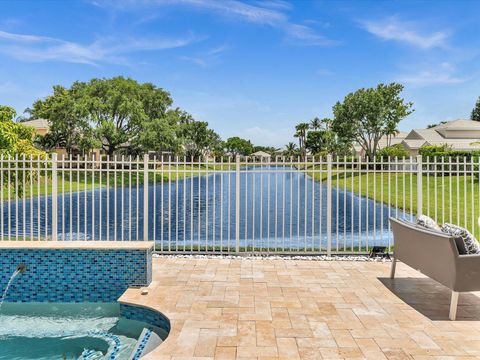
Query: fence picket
{"points": [[303, 205]]}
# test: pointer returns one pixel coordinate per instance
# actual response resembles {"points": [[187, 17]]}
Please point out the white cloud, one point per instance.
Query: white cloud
{"points": [[306, 35], [274, 4], [41, 48], [251, 13], [443, 73], [25, 38], [206, 58], [392, 28], [270, 13]]}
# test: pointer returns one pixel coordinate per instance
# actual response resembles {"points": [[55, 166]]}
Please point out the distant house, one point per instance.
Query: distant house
{"points": [[457, 134], [41, 126], [261, 155]]}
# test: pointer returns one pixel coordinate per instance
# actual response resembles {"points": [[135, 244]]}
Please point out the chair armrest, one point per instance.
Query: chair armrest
{"points": [[467, 277]]}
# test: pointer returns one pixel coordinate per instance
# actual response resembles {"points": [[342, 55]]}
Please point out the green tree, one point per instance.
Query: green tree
{"points": [[69, 126], [198, 140], [475, 116], [120, 115], [315, 142], [117, 114], [238, 146], [316, 123], [120, 108], [393, 151], [49, 142], [301, 133], [159, 134], [16, 140], [390, 132], [366, 115], [291, 150], [321, 139]]}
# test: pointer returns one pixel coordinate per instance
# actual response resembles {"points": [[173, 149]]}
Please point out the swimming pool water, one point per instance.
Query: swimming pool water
{"points": [[64, 331]]}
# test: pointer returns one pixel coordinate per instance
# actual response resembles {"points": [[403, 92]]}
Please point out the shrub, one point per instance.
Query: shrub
{"points": [[445, 151], [394, 151]]}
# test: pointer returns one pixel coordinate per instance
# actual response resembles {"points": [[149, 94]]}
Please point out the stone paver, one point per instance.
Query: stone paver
{"points": [[297, 309]]}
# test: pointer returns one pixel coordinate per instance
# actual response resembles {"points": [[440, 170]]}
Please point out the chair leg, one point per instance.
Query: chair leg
{"points": [[453, 305], [392, 269]]}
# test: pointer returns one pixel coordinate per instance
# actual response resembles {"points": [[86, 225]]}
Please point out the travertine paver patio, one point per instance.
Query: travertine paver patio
{"points": [[291, 309]]}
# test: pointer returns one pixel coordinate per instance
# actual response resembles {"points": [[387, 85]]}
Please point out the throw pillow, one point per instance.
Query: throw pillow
{"points": [[427, 223], [462, 237]]}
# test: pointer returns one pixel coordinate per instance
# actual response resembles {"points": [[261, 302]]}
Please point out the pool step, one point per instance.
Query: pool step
{"points": [[147, 341]]}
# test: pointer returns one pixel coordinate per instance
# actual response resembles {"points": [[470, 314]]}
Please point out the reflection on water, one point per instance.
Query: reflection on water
{"points": [[278, 209]]}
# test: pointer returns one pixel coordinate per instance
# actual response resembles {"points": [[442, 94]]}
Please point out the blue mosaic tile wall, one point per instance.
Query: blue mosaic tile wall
{"points": [[74, 275], [144, 314]]}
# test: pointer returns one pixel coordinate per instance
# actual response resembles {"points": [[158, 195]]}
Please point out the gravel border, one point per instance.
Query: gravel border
{"points": [[360, 258]]}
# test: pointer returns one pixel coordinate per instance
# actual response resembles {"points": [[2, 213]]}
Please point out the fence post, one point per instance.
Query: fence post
{"points": [[145, 197], [329, 205], [237, 204], [419, 186], [54, 198]]}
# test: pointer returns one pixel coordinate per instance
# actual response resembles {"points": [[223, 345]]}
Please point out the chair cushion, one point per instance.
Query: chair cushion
{"points": [[466, 242], [427, 222]]}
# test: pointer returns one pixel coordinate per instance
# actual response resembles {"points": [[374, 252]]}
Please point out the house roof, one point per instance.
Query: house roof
{"points": [[37, 123], [261, 154], [414, 143], [459, 124], [437, 133], [425, 134]]}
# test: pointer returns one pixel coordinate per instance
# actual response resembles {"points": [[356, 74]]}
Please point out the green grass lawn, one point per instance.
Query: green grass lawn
{"points": [[460, 195], [75, 181]]}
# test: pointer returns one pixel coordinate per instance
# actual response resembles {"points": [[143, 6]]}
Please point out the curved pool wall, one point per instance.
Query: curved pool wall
{"points": [[181, 212], [140, 313], [73, 274], [150, 337], [78, 331]]}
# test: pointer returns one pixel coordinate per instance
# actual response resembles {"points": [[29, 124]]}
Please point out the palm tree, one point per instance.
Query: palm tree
{"points": [[327, 122], [301, 133], [315, 124], [290, 149], [390, 132]]}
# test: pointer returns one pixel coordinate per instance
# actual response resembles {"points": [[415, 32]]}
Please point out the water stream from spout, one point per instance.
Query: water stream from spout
{"points": [[4, 295]]}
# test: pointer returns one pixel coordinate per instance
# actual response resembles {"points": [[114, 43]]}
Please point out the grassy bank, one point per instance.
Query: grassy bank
{"points": [[79, 180], [460, 195]]}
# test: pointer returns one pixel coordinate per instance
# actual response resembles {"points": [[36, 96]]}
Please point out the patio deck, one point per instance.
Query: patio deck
{"points": [[298, 309]]}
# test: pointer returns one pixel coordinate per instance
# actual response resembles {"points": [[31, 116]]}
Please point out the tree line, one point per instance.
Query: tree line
{"points": [[362, 118], [122, 116]]}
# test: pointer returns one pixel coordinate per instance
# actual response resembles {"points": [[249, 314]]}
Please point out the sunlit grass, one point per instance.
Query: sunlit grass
{"points": [[454, 199], [74, 180]]}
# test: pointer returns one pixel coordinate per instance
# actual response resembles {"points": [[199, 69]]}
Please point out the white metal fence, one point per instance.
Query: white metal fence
{"points": [[316, 205]]}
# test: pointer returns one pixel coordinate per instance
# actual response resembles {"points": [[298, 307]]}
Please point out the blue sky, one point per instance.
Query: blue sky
{"points": [[252, 68]]}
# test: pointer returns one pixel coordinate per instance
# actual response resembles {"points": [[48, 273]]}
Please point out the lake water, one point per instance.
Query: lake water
{"points": [[278, 210]]}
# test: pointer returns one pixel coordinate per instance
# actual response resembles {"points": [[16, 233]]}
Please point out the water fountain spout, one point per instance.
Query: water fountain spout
{"points": [[21, 268]]}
